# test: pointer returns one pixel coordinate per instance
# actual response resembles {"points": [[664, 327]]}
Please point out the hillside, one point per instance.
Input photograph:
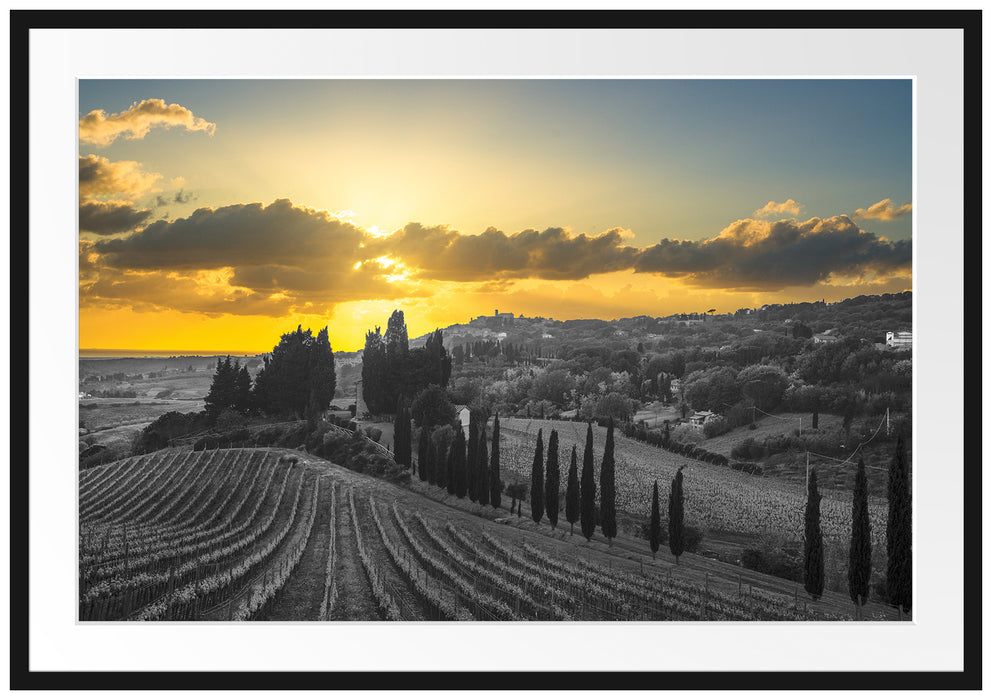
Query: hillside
{"points": [[280, 535]]}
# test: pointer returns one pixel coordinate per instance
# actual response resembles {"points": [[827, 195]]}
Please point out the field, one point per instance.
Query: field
{"points": [[257, 534], [716, 498]]}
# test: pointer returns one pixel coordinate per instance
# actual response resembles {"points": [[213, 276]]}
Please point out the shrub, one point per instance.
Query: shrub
{"points": [[774, 559], [717, 425]]}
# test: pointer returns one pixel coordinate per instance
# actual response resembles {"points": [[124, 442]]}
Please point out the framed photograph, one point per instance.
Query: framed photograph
{"points": [[624, 349]]}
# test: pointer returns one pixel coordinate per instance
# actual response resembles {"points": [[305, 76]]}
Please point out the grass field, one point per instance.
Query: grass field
{"points": [[717, 498]]}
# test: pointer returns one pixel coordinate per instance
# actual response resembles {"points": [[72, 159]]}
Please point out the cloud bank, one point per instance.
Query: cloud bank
{"points": [[102, 129], [252, 258]]}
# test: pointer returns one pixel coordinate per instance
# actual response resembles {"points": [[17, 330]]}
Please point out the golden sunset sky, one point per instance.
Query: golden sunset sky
{"points": [[218, 214]]}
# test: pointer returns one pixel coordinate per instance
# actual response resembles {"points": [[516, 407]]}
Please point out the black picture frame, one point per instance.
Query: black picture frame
{"points": [[21, 675]]}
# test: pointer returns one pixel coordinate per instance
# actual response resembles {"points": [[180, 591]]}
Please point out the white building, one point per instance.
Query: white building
{"points": [[899, 340], [464, 416]]}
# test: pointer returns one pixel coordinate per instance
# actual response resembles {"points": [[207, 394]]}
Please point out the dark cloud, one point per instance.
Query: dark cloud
{"points": [[266, 260], [183, 197], [108, 218], [240, 235], [444, 254], [760, 255]]}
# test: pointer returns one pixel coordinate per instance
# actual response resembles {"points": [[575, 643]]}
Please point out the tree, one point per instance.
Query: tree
{"points": [[458, 464], [482, 470], [423, 454], [899, 535], [431, 407], [572, 504], [552, 484], [607, 488], [374, 372], [859, 564], [537, 480], [402, 438], [450, 478], [588, 516], [816, 418], [441, 439], [298, 377], [813, 577], [655, 527], [472, 462], [763, 384], [437, 358], [242, 390], [221, 395], [676, 517], [495, 484]]}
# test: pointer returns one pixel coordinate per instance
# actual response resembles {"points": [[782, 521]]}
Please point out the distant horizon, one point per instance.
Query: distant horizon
{"points": [[137, 353]]}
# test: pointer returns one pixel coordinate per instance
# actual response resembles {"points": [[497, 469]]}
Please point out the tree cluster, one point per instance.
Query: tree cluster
{"points": [[390, 369]]}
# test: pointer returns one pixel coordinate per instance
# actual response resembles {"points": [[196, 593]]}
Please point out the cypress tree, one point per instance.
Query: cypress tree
{"points": [[813, 567], [899, 536], [666, 436], [655, 528], [676, 518], [401, 435], [422, 443], [471, 463], [458, 465], [482, 471], [449, 468], [572, 505], [495, 485], [429, 471], [859, 564], [588, 515], [552, 484], [607, 488], [537, 480], [816, 418]]}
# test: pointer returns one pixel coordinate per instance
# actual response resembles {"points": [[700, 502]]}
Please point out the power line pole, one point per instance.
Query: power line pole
{"points": [[807, 471], [886, 421]]}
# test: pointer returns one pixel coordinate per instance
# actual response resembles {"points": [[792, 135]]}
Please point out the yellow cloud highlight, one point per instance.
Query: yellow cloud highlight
{"points": [[773, 209], [137, 121], [101, 177], [885, 210]]}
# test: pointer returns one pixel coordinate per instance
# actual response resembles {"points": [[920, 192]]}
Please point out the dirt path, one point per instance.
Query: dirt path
{"points": [[355, 599], [301, 597]]}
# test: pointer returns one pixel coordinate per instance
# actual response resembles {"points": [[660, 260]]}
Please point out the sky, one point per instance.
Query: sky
{"points": [[219, 214]]}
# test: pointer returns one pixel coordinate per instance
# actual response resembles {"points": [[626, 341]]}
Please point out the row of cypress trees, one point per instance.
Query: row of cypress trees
{"points": [[899, 574], [463, 469], [580, 495]]}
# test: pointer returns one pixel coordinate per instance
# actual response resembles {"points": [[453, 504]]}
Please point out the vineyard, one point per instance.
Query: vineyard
{"points": [[256, 534], [716, 497]]}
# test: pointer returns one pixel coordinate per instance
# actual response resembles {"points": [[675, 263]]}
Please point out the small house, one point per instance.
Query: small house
{"points": [[698, 419]]}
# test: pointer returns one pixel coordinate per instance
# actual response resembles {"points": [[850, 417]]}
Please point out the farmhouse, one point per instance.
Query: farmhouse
{"points": [[826, 337], [698, 419], [899, 340]]}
